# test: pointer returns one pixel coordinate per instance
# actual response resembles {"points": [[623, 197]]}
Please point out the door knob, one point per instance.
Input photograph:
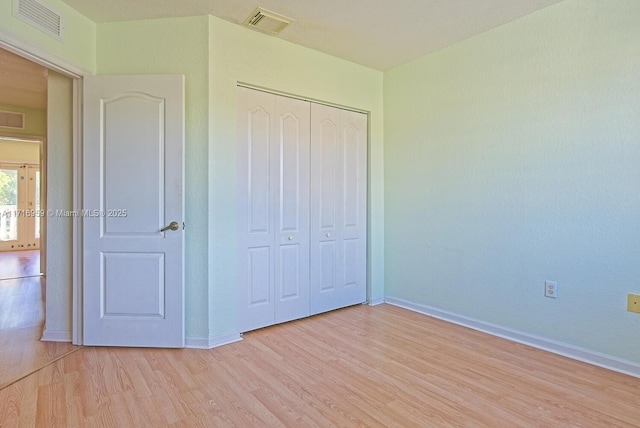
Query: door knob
{"points": [[290, 238], [174, 225], [327, 234]]}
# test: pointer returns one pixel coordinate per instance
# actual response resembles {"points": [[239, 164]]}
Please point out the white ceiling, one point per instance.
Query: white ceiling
{"points": [[376, 33]]}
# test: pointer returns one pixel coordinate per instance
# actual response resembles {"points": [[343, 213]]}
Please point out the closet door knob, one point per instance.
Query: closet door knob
{"points": [[290, 238], [327, 234]]}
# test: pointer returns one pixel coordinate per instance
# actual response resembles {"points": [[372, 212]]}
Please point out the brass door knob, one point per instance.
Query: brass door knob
{"points": [[174, 225]]}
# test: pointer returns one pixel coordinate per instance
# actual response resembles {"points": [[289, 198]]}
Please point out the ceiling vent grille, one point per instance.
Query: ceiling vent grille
{"points": [[267, 21], [40, 16], [11, 120]]}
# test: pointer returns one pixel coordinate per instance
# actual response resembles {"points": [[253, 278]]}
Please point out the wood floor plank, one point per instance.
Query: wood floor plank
{"points": [[358, 367], [19, 264], [21, 324]]}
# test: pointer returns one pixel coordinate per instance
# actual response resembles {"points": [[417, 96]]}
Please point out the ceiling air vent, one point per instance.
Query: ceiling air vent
{"points": [[11, 120], [267, 21], [40, 16]]}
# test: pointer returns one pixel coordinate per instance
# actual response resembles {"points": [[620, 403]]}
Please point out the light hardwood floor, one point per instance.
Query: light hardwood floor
{"points": [[21, 324], [362, 366], [19, 264], [22, 319], [22, 353], [21, 302]]}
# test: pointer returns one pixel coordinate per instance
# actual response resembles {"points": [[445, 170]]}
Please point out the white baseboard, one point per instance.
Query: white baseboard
{"points": [[377, 301], [56, 336], [190, 342], [211, 342], [591, 357]]}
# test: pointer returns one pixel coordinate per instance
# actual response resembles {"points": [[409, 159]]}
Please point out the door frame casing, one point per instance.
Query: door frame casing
{"points": [[47, 59]]}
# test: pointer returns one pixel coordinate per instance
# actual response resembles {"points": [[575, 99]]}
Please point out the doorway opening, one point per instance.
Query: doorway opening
{"points": [[20, 207], [23, 92], [19, 204]]}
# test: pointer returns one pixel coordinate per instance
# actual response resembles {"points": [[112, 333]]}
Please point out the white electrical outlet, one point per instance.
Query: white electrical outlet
{"points": [[551, 289]]}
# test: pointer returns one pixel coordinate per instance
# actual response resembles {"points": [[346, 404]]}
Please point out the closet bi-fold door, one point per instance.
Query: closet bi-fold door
{"points": [[338, 208], [274, 208]]}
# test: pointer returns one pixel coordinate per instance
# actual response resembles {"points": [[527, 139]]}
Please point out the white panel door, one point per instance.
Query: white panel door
{"points": [[133, 211], [273, 153], [292, 209], [326, 212], [256, 117], [353, 281], [338, 208]]}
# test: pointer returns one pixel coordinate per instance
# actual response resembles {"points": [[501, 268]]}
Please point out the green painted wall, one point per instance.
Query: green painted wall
{"points": [[175, 46], [242, 55], [513, 157], [35, 121], [77, 46]]}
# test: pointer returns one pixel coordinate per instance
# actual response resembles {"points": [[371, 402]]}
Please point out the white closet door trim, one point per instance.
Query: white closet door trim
{"points": [[299, 97]]}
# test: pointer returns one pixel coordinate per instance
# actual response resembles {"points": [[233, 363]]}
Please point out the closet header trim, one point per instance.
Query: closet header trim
{"points": [[299, 97]]}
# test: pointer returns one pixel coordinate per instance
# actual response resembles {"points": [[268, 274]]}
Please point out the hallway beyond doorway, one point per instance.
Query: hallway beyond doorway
{"points": [[19, 264]]}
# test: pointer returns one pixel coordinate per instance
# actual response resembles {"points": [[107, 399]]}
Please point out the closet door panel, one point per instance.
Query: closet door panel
{"points": [[327, 278], [289, 272], [338, 208], [259, 169], [292, 209], [350, 184], [302, 210], [258, 273], [326, 212], [290, 175], [354, 209], [326, 165], [256, 131]]}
